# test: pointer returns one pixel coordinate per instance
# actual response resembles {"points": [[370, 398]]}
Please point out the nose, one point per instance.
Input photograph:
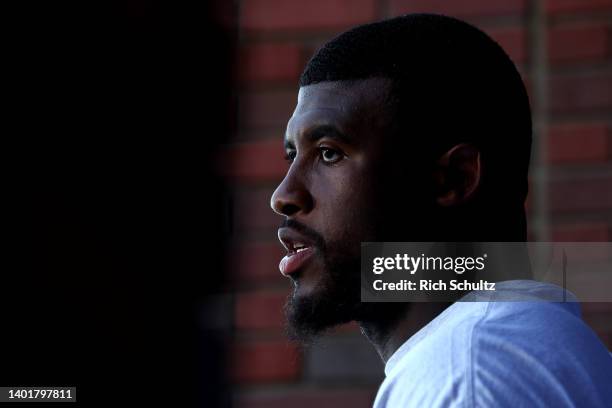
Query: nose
{"points": [[291, 197]]}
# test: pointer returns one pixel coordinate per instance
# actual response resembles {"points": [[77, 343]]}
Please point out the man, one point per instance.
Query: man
{"points": [[418, 128]]}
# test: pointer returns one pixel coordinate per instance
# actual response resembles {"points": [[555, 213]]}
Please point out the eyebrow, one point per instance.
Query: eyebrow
{"points": [[319, 132]]}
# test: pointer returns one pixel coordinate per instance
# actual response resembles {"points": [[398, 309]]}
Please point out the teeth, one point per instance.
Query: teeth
{"points": [[301, 249], [298, 246]]}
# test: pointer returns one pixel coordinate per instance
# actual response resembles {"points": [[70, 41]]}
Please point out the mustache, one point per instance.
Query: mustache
{"points": [[308, 232]]}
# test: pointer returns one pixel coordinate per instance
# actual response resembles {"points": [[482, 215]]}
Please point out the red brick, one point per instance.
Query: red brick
{"points": [[583, 232], [578, 143], [513, 41], [579, 42], [252, 211], [459, 7], [597, 307], [605, 338], [265, 361], [299, 14], [270, 62], [356, 397], [573, 6], [581, 195], [580, 257], [254, 161], [531, 234], [599, 322], [581, 93], [260, 310], [269, 109], [257, 261]]}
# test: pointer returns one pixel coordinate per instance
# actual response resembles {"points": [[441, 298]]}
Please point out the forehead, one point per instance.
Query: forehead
{"points": [[347, 105]]}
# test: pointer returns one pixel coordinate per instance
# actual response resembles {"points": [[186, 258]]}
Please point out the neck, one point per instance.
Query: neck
{"points": [[388, 337]]}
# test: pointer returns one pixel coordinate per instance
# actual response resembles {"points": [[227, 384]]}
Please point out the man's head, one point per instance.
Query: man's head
{"points": [[416, 128]]}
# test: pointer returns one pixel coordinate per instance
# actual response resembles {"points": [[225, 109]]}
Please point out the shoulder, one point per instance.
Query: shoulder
{"points": [[430, 369], [502, 354], [538, 353]]}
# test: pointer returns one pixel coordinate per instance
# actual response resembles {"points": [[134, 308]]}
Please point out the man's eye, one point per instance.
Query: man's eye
{"points": [[330, 156], [290, 155]]}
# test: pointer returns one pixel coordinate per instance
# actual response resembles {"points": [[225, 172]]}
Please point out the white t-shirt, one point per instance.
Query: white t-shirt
{"points": [[531, 353]]}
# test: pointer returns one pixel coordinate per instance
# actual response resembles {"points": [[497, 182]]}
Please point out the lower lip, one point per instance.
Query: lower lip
{"points": [[292, 262]]}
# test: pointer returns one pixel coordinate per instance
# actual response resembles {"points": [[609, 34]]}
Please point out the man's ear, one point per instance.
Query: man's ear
{"points": [[457, 175]]}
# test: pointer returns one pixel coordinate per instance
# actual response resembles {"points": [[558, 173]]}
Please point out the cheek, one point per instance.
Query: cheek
{"points": [[345, 207]]}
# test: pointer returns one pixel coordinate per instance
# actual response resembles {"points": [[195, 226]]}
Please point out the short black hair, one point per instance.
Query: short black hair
{"points": [[452, 83]]}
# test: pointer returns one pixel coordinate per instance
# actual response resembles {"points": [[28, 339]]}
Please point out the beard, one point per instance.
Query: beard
{"points": [[336, 300]]}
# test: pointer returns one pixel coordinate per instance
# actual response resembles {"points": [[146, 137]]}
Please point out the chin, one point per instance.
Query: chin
{"points": [[308, 282], [305, 292], [315, 307]]}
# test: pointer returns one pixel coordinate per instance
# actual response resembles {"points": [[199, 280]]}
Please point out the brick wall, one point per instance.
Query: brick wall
{"points": [[563, 49]]}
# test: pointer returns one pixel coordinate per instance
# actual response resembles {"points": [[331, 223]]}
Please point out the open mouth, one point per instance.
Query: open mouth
{"points": [[299, 250], [294, 260], [298, 247]]}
